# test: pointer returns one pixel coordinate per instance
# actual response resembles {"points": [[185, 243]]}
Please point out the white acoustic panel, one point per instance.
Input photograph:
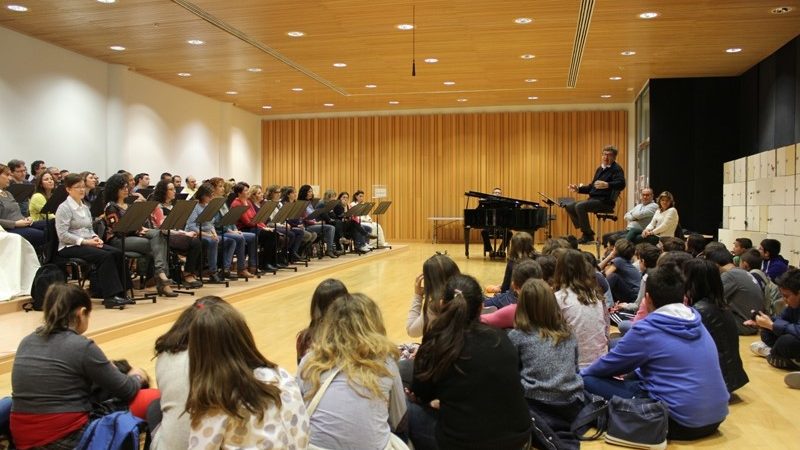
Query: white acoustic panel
{"points": [[740, 170], [726, 236], [752, 219], [767, 164], [738, 217], [727, 172], [784, 161], [753, 167]]}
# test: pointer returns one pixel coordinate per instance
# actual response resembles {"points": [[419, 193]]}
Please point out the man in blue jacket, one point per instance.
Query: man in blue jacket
{"points": [[608, 181], [668, 356]]}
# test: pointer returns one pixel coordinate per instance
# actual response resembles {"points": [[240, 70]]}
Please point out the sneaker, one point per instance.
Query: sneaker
{"points": [[760, 348], [792, 379], [364, 248]]}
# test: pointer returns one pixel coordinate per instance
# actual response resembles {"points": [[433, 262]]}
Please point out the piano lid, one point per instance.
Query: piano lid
{"points": [[500, 200]]}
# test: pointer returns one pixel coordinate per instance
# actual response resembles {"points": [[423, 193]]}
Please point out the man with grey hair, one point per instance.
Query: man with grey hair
{"points": [[637, 217], [607, 183]]}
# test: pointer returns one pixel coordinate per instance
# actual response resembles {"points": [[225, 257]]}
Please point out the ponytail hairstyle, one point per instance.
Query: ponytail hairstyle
{"points": [[176, 339], [222, 360], [574, 272], [61, 302], [538, 310], [443, 341], [521, 246], [435, 273]]}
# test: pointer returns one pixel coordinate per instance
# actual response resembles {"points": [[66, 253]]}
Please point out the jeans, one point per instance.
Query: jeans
{"points": [[422, 426], [212, 247], [327, 233], [243, 242], [630, 387], [579, 213]]}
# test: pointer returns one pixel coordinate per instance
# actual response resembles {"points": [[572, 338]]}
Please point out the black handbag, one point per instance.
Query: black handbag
{"points": [[629, 422]]}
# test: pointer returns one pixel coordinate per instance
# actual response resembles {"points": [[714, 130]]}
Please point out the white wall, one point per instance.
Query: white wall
{"points": [[82, 114]]}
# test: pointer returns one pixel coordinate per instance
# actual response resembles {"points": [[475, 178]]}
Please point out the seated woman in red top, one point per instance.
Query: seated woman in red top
{"points": [[267, 239], [55, 369]]}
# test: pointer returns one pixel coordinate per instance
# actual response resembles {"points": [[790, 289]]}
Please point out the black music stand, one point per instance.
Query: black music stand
{"points": [[322, 213], [21, 191], [563, 202], [174, 221], [131, 222], [230, 218], [280, 217], [207, 215], [362, 209], [261, 217], [50, 207], [550, 217], [379, 211]]}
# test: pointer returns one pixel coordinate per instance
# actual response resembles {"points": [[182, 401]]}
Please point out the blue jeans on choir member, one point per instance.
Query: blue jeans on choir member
{"points": [[238, 247], [251, 239], [630, 387], [212, 248], [327, 233]]}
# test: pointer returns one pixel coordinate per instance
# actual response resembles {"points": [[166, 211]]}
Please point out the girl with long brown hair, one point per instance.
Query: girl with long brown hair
{"points": [[428, 289], [237, 397], [582, 304]]}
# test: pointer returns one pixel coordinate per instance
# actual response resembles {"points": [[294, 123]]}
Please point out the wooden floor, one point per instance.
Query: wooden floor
{"points": [[764, 415]]}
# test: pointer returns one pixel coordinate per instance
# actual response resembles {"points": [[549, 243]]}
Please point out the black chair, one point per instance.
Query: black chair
{"points": [[76, 269], [606, 214]]}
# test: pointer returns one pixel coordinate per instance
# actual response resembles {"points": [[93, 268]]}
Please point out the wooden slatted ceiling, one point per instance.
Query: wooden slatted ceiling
{"points": [[429, 161], [477, 44]]}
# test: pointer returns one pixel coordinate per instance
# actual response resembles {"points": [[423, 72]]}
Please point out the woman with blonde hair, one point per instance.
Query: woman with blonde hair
{"points": [[237, 397], [582, 304], [548, 355], [351, 381]]}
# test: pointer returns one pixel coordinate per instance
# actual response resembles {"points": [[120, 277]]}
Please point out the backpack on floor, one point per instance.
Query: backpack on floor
{"points": [[46, 276], [116, 431], [772, 294]]}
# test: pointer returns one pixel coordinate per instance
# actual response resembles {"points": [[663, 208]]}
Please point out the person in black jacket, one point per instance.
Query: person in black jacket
{"points": [[704, 292], [608, 182]]}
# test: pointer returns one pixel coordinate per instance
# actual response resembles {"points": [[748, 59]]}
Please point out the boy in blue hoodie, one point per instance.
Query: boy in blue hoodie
{"points": [[774, 265], [668, 356]]}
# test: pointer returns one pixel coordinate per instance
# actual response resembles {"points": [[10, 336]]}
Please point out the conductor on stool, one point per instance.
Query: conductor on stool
{"points": [[608, 181]]}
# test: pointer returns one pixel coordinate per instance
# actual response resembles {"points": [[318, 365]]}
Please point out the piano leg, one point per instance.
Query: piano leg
{"points": [[467, 230]]}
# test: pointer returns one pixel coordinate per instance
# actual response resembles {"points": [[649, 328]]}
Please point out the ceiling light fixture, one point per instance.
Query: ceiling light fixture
{"points": [[449, 83], [184, 74], [531, 80], [614, 78], [254, 69], [527, 56], [195, 42], [295, 34], [297, 89], [405, 26], [431, 60], [628, 53], [266, 107], [327, 105], [17, 8], [339, 64], [782, 10], [523, 20], [648, 15], [605, 96], [371, 86], [533, 97], [231, 92], [733, 50], [117, 48], [394, 102], [461, 100]]}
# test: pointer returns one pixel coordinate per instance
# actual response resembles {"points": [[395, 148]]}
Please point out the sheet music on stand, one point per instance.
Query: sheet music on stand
{"points": [[324, 210], [362, 209], [176, 220], [265, 211], [298, 208]]}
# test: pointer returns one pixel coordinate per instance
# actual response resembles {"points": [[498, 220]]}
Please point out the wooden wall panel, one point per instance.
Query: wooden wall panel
{"points": [[427, 162]]}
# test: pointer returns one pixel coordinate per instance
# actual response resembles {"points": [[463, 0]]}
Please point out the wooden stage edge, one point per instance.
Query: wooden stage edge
{"points": [[136, 325]]}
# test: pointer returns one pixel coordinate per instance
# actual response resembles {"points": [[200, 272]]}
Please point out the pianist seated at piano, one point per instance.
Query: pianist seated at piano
{"points": [[521, 248], [487, 234]]}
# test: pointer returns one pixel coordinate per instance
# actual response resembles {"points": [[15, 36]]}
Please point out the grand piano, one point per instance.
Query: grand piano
{"points": [[499, 214]]}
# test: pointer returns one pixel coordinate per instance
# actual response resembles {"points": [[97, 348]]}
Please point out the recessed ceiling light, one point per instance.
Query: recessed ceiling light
{"points": [[461, 100], [266, 107], [733, 50], [531, 80], [527, 56], [339, 64], [614, 78], [297, 89], [254, 69], [231, 92], [449, 83], [523, 20], [394, 102], [17, 8], [184, 74], [295, 34], [648, 15], [605, 96], [405, 26], [106, 1], [628, 53], [371, 86], [195, 42], [117, 48], [533, 97], [327, 105], [431, 60], [782, 10]]}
